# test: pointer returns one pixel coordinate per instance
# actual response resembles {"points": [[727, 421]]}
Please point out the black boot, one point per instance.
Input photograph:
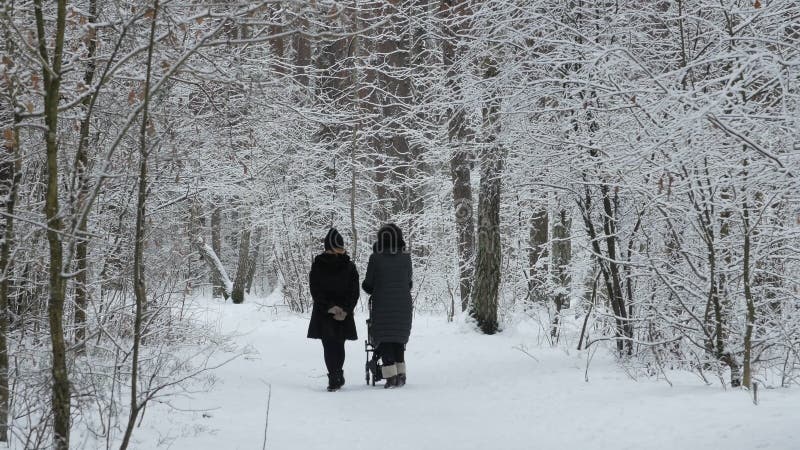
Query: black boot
{"points": [[333, 382], [340, 378], [391, 383]]}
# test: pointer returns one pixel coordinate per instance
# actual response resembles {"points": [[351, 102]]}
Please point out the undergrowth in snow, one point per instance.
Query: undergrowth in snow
{"points": [[465, 390]]}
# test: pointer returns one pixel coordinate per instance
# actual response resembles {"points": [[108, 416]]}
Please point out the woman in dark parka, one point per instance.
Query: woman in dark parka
{"points": [[388, 280], [334, 287]]}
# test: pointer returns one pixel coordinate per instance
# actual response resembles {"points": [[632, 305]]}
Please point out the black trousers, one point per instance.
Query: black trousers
{"points": [[392, 352], [334, 354]]}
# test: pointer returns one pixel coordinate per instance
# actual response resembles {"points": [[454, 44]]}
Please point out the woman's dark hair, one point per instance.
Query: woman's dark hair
{"points": [[390, 238]]}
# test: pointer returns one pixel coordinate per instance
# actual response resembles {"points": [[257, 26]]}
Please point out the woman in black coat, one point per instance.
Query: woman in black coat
{"points": [[388, 280], [334, 287]]}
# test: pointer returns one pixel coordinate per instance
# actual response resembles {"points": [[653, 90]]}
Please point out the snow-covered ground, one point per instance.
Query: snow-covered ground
{"points": [[465, 391]]}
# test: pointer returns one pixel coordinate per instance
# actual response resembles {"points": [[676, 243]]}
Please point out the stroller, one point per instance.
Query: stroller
{"points": [[373, 365]]}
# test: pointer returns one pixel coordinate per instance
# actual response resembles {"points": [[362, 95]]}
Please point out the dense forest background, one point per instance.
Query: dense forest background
{"points": [[631, 163]]}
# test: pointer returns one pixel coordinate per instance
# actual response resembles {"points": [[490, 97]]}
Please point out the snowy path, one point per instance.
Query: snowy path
{"points": [[465, 391]]}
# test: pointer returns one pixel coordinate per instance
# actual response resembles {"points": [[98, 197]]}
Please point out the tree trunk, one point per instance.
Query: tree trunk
{"points": [[10, 171], [538, 247], [215, 266], [81, 169], [458, 134], [562, 255], [595, 239], [465, 224], [616, 295], [725, 260], [195, 228], [715, 318], [243, 268], [750, 317], [715, 308], [278, 45], [253, 262], [751, 308], [139, 288], [52, 82], [302, 52], [353, 191], [355, 52], [487, 270], [400, 154], [218, 289], [722, 297]]}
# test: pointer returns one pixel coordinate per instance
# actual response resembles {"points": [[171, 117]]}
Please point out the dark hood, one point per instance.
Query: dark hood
{"points": [[390, 240]]}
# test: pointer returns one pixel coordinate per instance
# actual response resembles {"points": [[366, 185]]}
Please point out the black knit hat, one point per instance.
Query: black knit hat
{"points": [[333, 240]]}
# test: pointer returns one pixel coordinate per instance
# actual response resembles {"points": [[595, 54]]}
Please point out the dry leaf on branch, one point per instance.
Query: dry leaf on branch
{"points": [[8, 135]]}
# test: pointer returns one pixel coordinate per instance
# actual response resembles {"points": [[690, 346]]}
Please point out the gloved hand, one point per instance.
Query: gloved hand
{"points": [[338, 313]]}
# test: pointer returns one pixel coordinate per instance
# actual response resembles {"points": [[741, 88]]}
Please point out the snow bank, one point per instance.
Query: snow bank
{"points": [[466, 391]]}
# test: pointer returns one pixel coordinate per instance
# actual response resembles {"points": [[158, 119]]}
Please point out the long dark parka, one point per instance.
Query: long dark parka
{"points": [[388, 280], [334, 282]]}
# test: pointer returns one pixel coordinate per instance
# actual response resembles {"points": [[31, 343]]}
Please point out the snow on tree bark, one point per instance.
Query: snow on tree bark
{"points": [[485, 291], [211, 258]]}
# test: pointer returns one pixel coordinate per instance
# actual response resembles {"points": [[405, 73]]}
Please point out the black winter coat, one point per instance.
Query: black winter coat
{"points": [[388, 279], [334, 282]]}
